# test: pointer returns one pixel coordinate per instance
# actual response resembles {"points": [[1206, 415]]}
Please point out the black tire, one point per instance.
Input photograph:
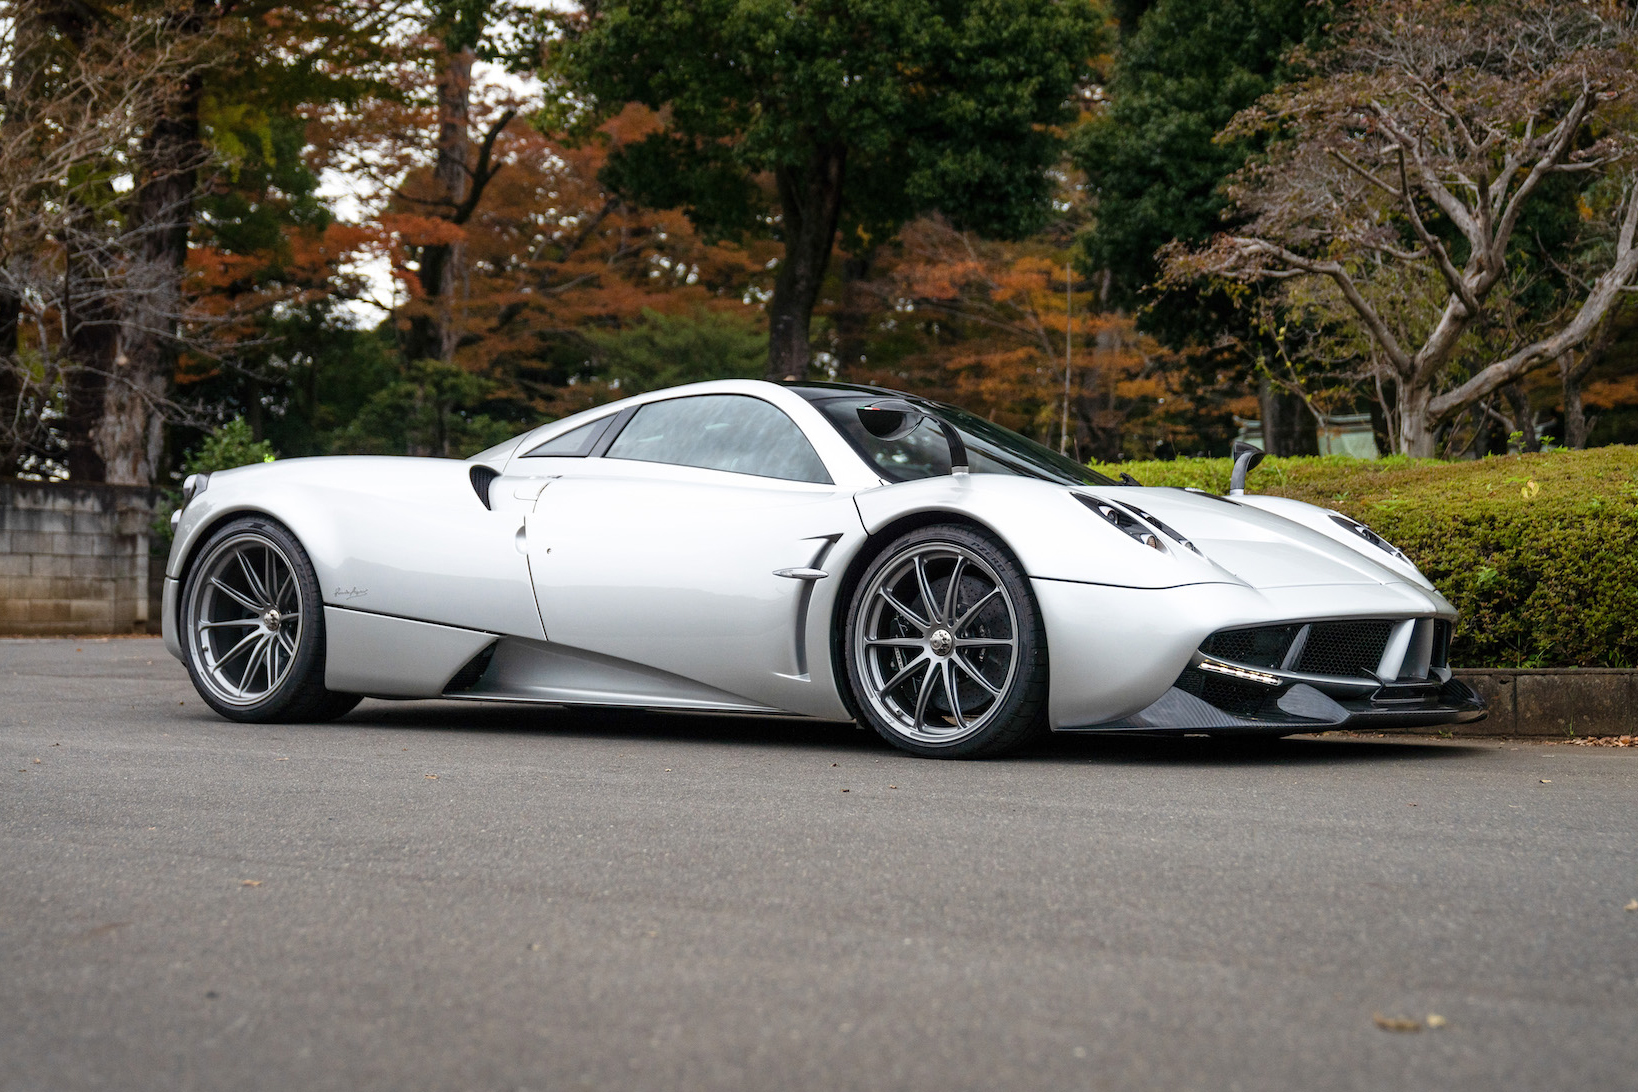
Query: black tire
{"points": [[966, 702], [251, 625]]}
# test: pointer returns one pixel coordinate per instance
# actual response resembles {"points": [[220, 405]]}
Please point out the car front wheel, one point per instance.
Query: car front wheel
{"points": [[945, 648], [252, 627]]}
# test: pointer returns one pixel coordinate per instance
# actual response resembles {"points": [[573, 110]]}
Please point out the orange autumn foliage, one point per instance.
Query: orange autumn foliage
{"points": [[995, 320]]}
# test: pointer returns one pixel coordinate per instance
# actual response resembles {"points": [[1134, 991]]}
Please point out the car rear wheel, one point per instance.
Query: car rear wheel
{"points": [[252, 627], [945, 649]]}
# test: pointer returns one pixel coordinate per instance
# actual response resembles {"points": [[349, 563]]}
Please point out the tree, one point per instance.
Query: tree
{"points": [[125, 109], [668, 350], [997, 336], [1183, 70], [88, 89], [1403, 169], [859, 113]]}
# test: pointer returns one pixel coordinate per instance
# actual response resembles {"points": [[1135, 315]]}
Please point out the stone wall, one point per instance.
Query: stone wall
{"points": [[74, 559]]}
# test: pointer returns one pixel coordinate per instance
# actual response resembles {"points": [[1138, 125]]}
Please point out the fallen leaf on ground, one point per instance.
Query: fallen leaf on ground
{"points": [[1633, 905], [1546, 781], [432, 777], [1602, 741], [847, 790], [1435, 1020], [1395, 1023], [250, 883]]}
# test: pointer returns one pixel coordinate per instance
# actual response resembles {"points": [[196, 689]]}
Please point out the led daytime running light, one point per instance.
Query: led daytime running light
{"points": [[1240, 673]]}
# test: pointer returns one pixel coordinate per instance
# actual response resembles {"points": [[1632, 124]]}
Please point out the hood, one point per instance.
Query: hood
{"points": [[1254, 546]]}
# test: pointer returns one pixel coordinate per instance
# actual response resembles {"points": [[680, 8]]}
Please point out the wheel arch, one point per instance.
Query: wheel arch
{"points": [[206, 531]]}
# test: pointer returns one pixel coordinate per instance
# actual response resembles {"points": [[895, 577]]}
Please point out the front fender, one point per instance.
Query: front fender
{"points": [[1053, 535]]}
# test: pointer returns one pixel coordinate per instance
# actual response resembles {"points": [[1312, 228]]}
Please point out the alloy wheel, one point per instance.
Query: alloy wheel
{"points": [[244, 619], [936, 643]]}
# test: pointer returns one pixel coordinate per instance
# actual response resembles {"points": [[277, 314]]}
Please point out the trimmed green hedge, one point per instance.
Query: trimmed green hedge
{"points": [[1538, 552]]}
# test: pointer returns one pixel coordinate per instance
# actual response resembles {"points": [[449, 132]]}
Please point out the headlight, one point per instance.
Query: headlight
{"points": [[1124, 520], [1364, 532], [1165, 530]]}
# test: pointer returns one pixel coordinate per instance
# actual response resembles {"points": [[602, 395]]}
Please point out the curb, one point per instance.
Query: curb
{"points": [[1554, 702]]}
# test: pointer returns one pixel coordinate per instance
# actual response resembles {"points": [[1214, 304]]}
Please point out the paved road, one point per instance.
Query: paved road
{"points": [[441, 896]]}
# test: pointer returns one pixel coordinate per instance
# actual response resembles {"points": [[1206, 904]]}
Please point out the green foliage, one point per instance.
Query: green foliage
{"points": [[1152, 161], [1538, 552], [942, 104], [226, 447], [431, 409], [666, 350]]}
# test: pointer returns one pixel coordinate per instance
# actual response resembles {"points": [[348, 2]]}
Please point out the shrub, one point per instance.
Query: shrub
{"points": [[1538, 552]]}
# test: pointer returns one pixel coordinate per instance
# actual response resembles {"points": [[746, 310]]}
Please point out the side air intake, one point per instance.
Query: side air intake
{"points": [[482, 478]]}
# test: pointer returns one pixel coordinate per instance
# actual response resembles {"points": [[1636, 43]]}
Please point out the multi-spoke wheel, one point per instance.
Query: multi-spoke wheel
{"points": [[945, 650], [253, 628]]}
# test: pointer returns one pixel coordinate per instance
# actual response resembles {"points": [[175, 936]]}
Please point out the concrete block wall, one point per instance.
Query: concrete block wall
{"points": [[74, 559]]}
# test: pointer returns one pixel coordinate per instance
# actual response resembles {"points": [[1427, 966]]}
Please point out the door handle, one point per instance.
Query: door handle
{"points": [[802, 573]]}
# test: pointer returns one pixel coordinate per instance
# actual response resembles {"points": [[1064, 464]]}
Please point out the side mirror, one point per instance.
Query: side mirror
{"points": [[890, 419], [894, 419], [1246, 458]]}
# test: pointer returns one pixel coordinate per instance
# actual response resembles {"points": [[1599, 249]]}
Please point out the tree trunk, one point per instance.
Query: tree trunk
{"points": [[1576, 424], [1417, 431], [1288, 427], [454, 175], [15, 436], [91, 327], [13, 443], [1573, 369], [1524, 421], [434, 332], [811, 202], [130, 436]]}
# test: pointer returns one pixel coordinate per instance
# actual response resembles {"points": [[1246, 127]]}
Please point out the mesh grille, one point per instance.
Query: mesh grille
{"points": [[1265, 647], [1345, 648], [1243, 699]]}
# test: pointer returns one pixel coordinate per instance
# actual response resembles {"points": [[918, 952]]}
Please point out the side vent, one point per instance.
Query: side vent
{"points": [[482, 478], [467, 677]]}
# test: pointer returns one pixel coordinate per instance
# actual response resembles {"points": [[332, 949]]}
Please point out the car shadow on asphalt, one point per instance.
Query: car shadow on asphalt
{"points": [[798, 733]]}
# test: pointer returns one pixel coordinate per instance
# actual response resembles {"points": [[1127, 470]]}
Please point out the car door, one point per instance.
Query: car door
{"points": [[695, 547]]}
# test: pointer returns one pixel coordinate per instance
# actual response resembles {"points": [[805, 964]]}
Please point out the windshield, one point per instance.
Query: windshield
{"points": [[924, 453]]}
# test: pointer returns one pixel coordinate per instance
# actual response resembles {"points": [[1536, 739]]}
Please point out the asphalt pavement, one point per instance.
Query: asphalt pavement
{"points": [[448, 896]]}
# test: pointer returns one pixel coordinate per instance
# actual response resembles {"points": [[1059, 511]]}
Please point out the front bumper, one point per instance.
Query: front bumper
{"points": [[1135, 660], [1303, 707]]}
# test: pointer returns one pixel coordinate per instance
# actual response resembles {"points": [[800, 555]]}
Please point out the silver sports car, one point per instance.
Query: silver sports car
{"points": [[811, 549]]}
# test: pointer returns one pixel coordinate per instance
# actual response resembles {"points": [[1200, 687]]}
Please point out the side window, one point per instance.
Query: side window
{"points": [[576, 443], [732, 432]]}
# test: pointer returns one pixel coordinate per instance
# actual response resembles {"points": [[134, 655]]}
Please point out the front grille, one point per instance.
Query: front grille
{"points": [[1345, 648], [1352, 649], [1264, 647], [1236, 696]]}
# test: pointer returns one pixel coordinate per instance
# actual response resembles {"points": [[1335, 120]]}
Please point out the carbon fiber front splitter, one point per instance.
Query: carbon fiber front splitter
{"points": [[1303, 708]]}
